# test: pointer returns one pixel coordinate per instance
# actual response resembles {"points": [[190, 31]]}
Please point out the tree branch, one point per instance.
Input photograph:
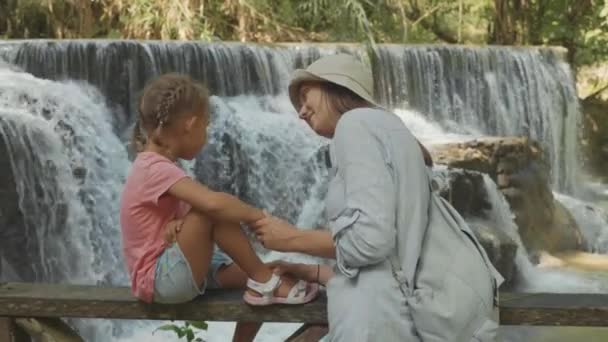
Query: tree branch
{"points": [[415, 16], [596, 92]]}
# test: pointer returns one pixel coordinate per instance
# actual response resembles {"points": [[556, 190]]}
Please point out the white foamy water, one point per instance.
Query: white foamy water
{"points": [[432, 133], [62, 149], [592, 219]]}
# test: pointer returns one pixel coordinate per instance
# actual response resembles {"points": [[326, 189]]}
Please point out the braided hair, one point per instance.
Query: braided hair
{"points": [[163, 100]]}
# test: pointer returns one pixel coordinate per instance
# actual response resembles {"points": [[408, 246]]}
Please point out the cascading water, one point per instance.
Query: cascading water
{"points": [[63, 139], [592, 219], [66, 166], [61, 148], [494, 90], [533, 278]]}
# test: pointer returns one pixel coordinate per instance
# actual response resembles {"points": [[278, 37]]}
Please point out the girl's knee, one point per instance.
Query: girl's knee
{"points": [[198, 217]]}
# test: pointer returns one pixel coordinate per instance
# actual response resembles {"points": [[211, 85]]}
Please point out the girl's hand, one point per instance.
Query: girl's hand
{"points": [[172, 228], [274, 233]]}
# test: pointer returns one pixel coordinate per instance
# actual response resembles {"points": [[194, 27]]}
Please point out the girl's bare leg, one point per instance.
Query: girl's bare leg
{"points": [[231, 239], [196, 242], [196, 239]]}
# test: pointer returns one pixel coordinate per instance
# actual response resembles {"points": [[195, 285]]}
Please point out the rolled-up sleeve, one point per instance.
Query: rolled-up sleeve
{"points": [[364, 229]]}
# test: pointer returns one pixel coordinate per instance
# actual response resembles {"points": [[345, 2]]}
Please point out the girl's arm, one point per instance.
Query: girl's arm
{"points": [[218, 205]]}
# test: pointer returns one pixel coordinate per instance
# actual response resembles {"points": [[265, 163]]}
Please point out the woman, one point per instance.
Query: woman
{"points": [[407, 267]]}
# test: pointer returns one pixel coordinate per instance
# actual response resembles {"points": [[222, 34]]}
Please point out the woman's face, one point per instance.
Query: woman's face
{"points": [[316, 111]]}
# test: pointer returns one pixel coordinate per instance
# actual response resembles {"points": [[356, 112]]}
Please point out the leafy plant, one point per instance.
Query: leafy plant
{"points": [[581, 26], [188, 330]]}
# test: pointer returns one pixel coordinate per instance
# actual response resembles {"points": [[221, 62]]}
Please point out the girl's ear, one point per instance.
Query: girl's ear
{"points": [[190, 123]]}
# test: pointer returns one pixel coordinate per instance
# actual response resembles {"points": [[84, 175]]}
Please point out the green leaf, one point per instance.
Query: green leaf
{"points": [[169, 327], [189, 335], [202, 325], [592, 34]]}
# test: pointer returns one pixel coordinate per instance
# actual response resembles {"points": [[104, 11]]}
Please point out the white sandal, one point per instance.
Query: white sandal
{"points": [[297, 295]]}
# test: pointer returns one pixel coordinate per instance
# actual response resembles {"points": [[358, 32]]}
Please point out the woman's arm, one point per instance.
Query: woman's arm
{"points": [[277, 234], [217, 205], [364, 228], [314, 242], [316, 273]]}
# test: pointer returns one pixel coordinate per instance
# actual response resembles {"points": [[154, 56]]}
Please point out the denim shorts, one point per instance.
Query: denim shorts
{"points": [[173, 280]]}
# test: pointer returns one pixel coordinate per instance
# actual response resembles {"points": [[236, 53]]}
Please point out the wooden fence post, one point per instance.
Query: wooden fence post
{"points": [[10, 332]]}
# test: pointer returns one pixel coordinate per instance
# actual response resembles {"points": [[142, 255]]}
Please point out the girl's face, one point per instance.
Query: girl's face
{"points": [[316, 111], [194, 135]]}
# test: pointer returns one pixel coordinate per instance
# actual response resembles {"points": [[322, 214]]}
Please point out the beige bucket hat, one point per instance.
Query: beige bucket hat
{"points": [[341, 69]]}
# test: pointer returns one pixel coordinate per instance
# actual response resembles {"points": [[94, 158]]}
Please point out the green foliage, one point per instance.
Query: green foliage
{"points": [[187, 331], [581, 25]]}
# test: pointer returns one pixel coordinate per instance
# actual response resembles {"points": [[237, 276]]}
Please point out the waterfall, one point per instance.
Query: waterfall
{"points": [[60, 150], [62, 118], [260, 151], [492, 90]]}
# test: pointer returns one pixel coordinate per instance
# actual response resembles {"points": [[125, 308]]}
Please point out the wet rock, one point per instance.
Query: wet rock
{"points": [[466, 191], [499, 246], [595, 136], [12, 223], [520, 169]]}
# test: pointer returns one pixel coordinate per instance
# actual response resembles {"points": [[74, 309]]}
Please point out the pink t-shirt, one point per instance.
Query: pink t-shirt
{"points": [[145, 209]]}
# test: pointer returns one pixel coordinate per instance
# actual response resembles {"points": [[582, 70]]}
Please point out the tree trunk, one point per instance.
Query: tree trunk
{"points": [[242, 13], [504, 23]]}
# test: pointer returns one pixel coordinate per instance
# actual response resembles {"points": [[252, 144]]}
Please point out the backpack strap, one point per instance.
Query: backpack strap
{"points": [[406, 277]]}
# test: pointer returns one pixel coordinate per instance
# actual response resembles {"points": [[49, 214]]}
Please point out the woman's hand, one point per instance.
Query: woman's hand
{"points": [[172, 228], [274, 233], [314, 273], [298, 271]]}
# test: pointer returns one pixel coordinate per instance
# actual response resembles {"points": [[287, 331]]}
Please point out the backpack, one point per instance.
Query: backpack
{"points": [[454, 296]]}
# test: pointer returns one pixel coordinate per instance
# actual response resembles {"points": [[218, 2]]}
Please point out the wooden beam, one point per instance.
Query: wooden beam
{"points": [[57, 300], [48, 329], [308, 333], [554, 309]]}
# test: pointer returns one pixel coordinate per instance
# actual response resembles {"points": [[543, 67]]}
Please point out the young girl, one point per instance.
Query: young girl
{"points": [[172, 124]]}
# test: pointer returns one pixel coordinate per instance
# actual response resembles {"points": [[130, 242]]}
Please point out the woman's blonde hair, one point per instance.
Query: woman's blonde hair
{"points": [[162, 101], [342, 100]]}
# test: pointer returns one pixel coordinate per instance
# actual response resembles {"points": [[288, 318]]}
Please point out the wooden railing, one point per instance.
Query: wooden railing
{"points": [[48, 302]]}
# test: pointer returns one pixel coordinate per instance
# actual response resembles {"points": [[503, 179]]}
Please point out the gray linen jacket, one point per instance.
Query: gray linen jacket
{"points": [[377, 207]]}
